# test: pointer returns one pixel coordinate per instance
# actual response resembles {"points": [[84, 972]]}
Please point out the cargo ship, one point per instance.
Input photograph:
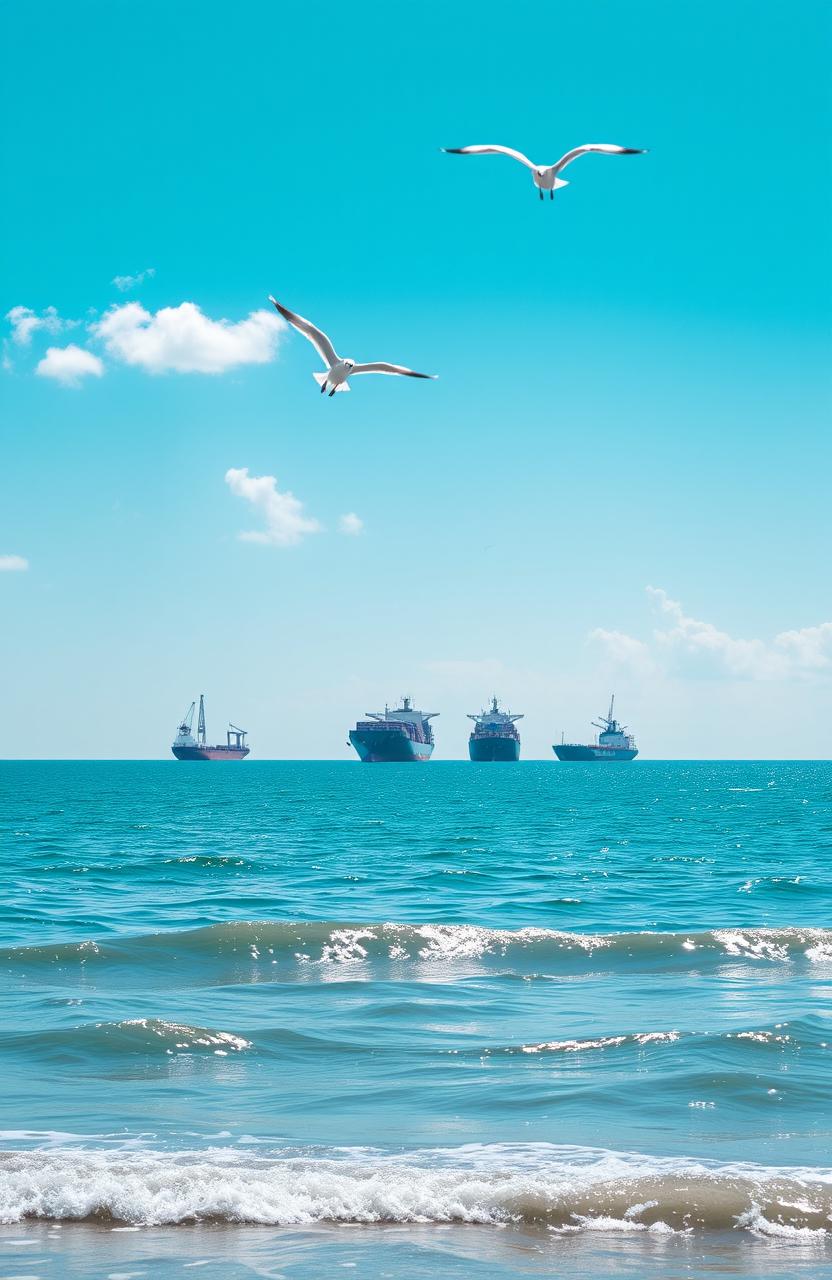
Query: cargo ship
{"points": [[188, 747], [494, 736], [401, 734], [613, 742]]}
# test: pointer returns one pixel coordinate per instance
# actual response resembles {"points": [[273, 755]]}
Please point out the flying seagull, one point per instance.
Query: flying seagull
{"points": [[546, 177], [338, 370]]}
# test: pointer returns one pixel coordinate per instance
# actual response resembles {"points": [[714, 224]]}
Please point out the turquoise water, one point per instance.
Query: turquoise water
{"points": [[282, 1018]]}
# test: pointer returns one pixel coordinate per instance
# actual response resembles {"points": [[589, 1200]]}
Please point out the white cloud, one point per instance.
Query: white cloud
{"points": [[690, 638], [286, 523], [25, 322], [809, 648], [13, 564], [623, 650], [690, 646], [69, 365], [184, 340], [124, 283], [351, 524]]}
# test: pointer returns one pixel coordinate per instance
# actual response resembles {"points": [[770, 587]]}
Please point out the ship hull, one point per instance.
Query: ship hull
{"points": [[376, 746], [573, 751], [210, 753], [493, 748]]}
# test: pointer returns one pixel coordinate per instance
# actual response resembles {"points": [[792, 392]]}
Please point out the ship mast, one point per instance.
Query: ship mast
{"points": [[201, 721]]}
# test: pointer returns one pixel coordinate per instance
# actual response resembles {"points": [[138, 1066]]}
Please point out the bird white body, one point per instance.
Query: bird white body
{"points": [[338, 369], [546, 177], [336, 377]]}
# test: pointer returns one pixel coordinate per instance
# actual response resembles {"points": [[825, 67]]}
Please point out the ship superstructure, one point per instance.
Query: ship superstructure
{"points": [[188, 747], [613, 742], [400, 734], [494, 736]]}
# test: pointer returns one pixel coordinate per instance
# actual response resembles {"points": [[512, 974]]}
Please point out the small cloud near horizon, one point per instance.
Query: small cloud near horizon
{"points": [[286, 522], [351, 524], [687, 645], [13, 564]]}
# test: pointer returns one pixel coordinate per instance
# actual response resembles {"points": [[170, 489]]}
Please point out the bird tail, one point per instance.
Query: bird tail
{"points": [[560, 182]]}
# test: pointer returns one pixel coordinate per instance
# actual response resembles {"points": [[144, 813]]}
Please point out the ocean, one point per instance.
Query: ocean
{"points": [[283, 1019]]}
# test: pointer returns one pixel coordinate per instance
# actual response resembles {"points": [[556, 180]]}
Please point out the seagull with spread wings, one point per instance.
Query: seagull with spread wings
{"points": [[547, 177], [338, 369]]}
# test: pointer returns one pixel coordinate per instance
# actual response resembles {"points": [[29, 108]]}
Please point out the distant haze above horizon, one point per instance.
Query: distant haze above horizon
{"points": [[620, 480]]}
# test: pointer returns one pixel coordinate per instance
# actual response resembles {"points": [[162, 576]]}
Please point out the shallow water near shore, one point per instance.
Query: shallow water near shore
{"points": [[276, 1018], [416, 1252]]}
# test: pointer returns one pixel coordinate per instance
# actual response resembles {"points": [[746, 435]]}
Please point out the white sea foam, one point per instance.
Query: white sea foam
{"points": [[577, 1189], [640, 1038], [776, 944], [183, 1036], [575, 1046], [820, 951], [440, 942], [755, 1220]]}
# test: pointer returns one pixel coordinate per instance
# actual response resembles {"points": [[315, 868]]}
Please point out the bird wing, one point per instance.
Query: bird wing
{"points": [[317, 337], [490, 151], [381, 366], [606, 148]]}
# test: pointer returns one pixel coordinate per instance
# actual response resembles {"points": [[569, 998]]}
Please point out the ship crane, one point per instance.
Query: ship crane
{"points": [[187, 721], [188, 747], [607, 723]]}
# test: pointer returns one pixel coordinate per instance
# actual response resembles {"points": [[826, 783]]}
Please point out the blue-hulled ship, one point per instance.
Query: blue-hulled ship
{"points": [[494, 736], [612, 743], [397, 735]]}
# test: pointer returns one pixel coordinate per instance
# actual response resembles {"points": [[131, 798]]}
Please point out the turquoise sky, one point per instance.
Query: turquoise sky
{"points": [[634, 380]]}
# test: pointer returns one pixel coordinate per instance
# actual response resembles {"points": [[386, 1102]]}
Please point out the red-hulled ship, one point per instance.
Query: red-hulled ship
{"points": [[188, 747]]}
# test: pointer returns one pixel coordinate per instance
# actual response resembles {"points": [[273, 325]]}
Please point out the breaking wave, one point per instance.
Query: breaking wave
{"points": [[334, 943], [132, 1035], [565, 1188]]}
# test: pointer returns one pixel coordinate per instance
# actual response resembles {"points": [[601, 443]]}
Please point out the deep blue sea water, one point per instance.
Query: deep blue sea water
{"points": [[280, 1019]]}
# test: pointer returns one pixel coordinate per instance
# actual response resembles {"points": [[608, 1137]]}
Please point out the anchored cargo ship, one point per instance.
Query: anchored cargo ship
{"points": [[400, 734], [188, 747], [613, 743], [494, 736]]}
